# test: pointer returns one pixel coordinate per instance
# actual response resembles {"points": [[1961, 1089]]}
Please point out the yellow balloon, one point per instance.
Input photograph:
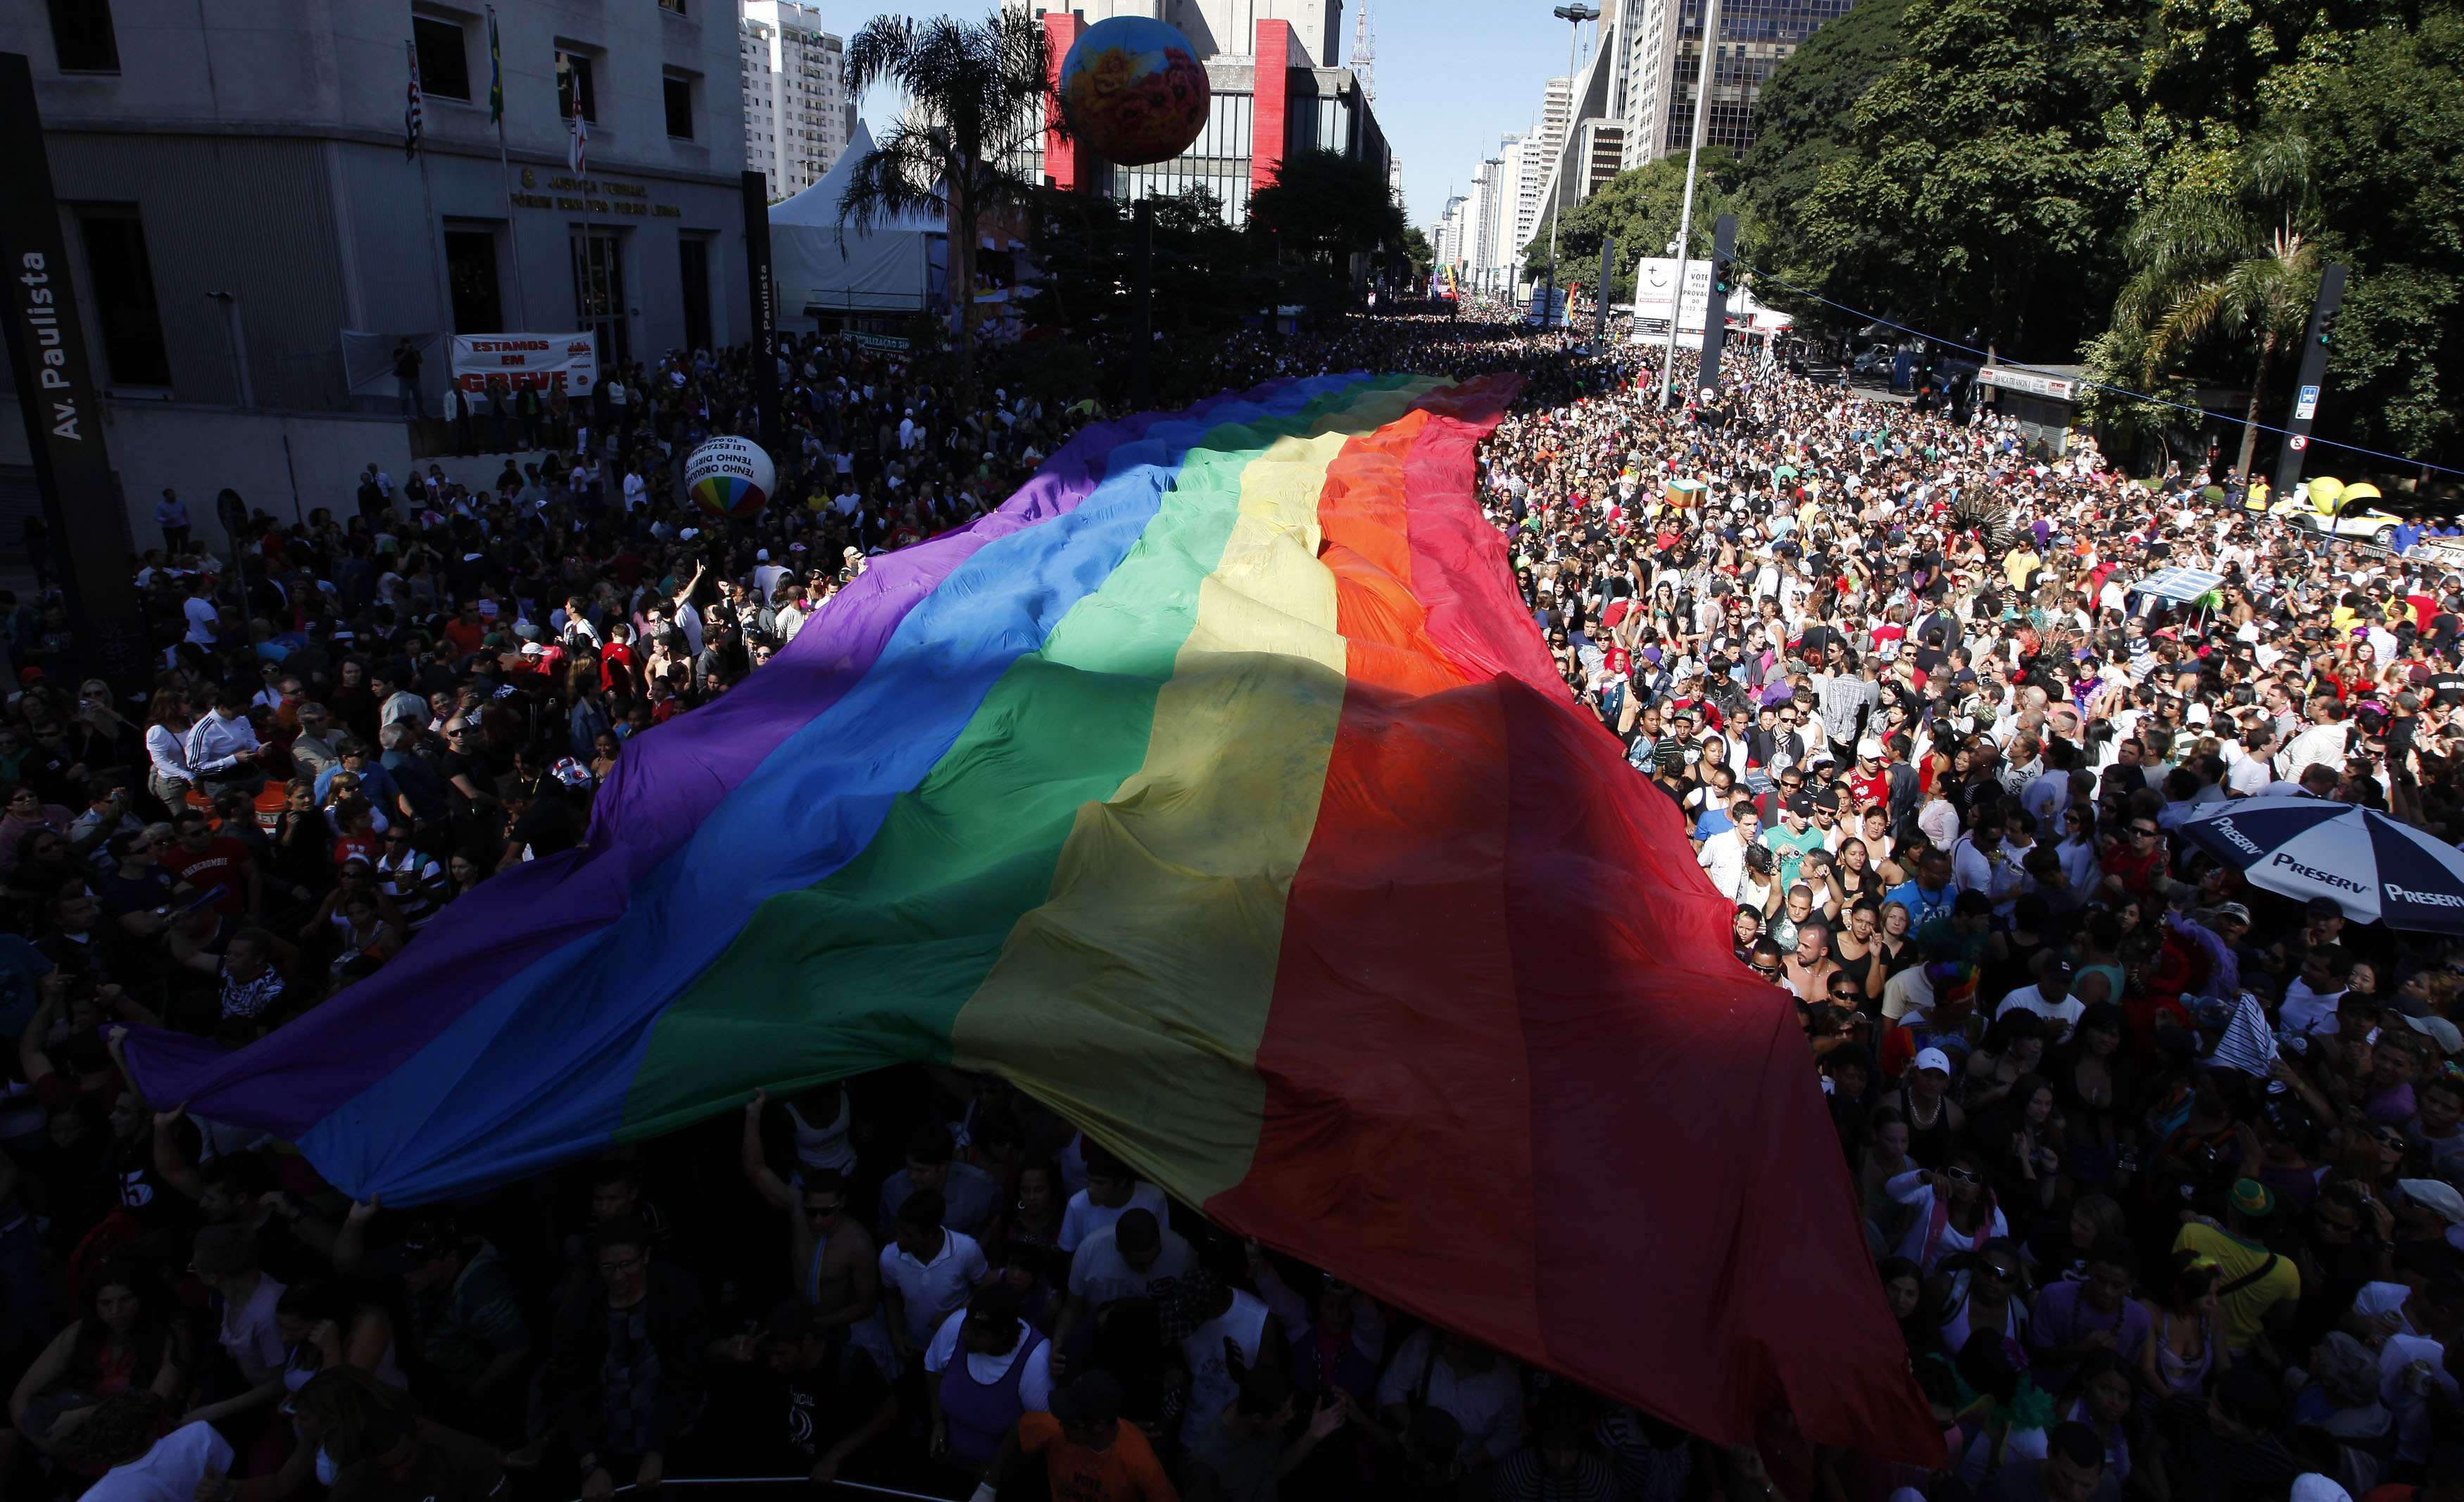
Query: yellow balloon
{"points": [[2362, 490], [2324, 493]]}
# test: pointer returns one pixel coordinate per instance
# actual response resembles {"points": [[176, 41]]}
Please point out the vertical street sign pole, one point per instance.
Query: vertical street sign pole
{"points": [[764, 294], [2313, 375], [57, 392], [1715, 304], [1600, 303]]}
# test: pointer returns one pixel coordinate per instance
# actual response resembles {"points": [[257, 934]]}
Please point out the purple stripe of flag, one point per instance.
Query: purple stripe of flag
{"points": [[666, 783]]}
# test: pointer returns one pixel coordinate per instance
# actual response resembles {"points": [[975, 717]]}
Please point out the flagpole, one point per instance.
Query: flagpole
{"points": [[513, 225], [428, 202]]}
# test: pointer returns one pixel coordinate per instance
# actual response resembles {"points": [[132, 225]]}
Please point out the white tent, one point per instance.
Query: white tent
{"points": [[897, 268]]}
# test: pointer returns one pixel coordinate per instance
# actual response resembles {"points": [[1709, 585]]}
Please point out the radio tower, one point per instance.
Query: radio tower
{"points": [[1364, 53]]}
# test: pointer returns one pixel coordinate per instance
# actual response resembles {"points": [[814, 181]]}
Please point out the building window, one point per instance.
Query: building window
{"points": [[443, 57], [692, 261], [82, 38], [598, 291], [678, 92], [672, 6], [471, 278], [572, 82], [117, 265]]}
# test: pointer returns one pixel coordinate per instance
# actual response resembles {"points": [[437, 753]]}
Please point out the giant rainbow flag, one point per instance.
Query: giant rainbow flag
{"points": [[1217, 791]]}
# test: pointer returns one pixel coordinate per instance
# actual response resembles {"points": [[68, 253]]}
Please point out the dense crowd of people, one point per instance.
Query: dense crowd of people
{"points": [[1887, 661]]}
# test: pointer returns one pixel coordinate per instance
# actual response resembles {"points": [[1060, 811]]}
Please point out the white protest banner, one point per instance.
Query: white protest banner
{"points": [[547, 361]]}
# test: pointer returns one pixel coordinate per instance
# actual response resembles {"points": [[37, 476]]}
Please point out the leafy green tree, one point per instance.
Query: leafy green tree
{"points": [[1326, 206], [1420, 256], [1640, 209], [2388, 129], [978, 93], [1991, 163], [2240, 261], [1805, 123]]}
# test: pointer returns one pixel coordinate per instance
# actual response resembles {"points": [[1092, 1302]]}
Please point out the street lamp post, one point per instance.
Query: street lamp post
{"points": [[1703, 80], [1575, 14]]}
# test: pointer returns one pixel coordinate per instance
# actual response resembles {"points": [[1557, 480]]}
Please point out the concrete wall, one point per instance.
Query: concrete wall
{"points": [[198, 450]]}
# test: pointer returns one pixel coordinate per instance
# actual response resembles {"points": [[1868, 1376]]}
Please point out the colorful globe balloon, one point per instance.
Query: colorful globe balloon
{"points": [[729, 478], [1132, 91]]}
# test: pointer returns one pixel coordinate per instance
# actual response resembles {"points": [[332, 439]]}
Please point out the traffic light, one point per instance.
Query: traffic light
{"points": [[1723, 275], [2327, 317]]}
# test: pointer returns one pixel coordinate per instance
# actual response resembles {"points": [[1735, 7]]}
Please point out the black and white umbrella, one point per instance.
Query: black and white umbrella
{"points": [[2375, 867]]}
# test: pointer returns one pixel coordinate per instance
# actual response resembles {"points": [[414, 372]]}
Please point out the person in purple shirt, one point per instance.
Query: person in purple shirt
{"points": [[2070, 1321]]}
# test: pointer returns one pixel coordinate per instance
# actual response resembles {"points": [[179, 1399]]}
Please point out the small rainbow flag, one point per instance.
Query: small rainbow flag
{"points": [[1217, 791]]}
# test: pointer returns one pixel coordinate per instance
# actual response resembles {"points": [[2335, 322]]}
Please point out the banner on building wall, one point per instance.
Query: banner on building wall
{"points": [[547, 361], [58, 395]]}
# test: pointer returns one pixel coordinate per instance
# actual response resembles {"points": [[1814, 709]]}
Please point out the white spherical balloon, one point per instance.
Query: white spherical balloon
{"points": [[729, 478]]}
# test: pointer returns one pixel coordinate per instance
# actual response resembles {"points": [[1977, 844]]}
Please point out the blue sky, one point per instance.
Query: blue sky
{"points": [[1452, 77]]}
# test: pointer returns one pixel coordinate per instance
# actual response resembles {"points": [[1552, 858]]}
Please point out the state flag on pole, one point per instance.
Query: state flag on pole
{"points": [[496, 73], [410, 121], [577, 154]]}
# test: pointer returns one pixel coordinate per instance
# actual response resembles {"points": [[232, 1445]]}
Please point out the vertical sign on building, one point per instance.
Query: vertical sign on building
{"points": [[765, 297], [1269, 102], [1061, 32], [56, 390]]}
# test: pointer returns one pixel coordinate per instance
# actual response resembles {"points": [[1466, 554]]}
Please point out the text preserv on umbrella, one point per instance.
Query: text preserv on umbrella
{"points": [[2406, 893], [2322, 878]]}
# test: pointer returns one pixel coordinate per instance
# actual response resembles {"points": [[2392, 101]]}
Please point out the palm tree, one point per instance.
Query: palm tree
{"points": [[2240, 261], [977, 95]]}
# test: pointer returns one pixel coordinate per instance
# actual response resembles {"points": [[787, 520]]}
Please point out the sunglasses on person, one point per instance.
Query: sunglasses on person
{"points": [[1960, 1175], [2142, 831], [1766, 970]]}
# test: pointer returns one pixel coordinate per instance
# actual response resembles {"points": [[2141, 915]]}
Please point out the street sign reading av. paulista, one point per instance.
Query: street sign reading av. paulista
{"points": [[2305, 406]]}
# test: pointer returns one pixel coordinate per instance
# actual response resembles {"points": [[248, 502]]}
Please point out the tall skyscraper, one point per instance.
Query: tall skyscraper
{"points": [[797, 113], [1525, 166], [1664, 59], [1555, 106]]}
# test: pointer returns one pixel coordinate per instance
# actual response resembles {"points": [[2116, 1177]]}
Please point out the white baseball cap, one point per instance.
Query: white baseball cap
{"points": [[1936, 1059], [2437, 1196]]}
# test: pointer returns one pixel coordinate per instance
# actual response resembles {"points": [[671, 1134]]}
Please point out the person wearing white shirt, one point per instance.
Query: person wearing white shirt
{"points": [[200, 613], [2313, 998], [1238, 1326], [1939, 821], [1978, 863], [1723, 855], [170, 776], [2411, 1368], [2050, 998], [169, 1468], [1112, 1192], [927, 1271], [2323, 744], [2247, 767], [1476, 1386]]}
